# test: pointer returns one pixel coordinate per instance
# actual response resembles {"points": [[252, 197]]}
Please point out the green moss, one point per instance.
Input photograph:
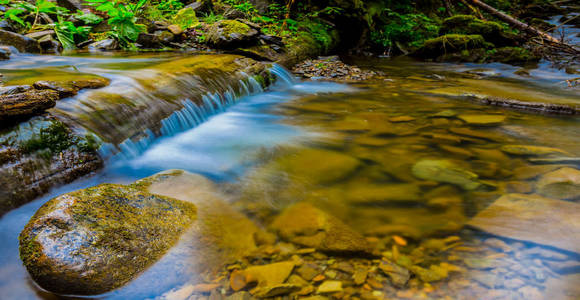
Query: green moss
{"points": [[233, 26], [451, 43], [129, 230], [55, 138], [185, 18], [468, 24]]}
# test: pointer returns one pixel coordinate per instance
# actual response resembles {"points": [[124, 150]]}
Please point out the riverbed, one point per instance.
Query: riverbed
{"points": [[356, 151]]}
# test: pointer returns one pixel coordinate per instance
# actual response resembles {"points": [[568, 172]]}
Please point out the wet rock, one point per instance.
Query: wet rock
{"points": [[308, 271], [360, 276], [265, 275], [400, 119], [222, 235], [27, 103], [482, 120], [512, 216], [445, 171], [309, 226], [383, 194], [104, 45], [4, 54], [20, 42], [94, 240], [329, 287], [175, 29], [63, 91], [164, 37], [148, 41], [276, 290], [532, 150], [563, 183], [231, 34], [434, 273], [398, 275], [318, 166]]}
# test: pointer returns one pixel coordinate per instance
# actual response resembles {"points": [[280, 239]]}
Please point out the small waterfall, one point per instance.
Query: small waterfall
{"points": [[192, 114], [283, 75]]}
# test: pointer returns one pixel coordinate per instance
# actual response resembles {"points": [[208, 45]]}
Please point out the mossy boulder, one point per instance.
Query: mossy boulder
{"points": [[230, 34], [450, 43], [185, 18], [492, 32], [94, 240], [306, 225]]}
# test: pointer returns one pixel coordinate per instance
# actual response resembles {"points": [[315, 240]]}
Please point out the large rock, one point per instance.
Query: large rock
{"points": [[27, 103], [231, 34], [318, 166], [94, 240], [563, 183], [220, 234], [20, 42], [446, 171], [532, 218], [309, 226]]}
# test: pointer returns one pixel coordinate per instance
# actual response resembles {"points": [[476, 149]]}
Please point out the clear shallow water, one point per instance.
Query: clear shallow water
{"points": [[294, 117]]}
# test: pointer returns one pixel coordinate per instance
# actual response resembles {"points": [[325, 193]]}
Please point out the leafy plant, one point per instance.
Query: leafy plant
{"points": [[411, 29], [67, 33], [122, 18]]}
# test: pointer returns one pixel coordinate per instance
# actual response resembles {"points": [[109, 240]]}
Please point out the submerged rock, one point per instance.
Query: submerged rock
{"points": [[309, 226], [512, 216], [318, 166], [563, 183], [483, 120], [532, 150], [445, 171], [97, 239]]}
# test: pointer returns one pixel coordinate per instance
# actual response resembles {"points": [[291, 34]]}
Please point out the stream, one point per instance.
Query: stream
{"points": [[354, 150]]}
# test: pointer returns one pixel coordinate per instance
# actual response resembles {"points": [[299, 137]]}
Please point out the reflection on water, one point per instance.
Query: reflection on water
{"points": [[408, 163]]}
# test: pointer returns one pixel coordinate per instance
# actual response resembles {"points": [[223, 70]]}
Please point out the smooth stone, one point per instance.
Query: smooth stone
{"points": [[563, 183], [27, 103], [269, 275], [457, 151], [475, 133], [401, 119], [231, 34], [360, 275], [445, 171], [104, 45], [276, 290], [512, 216], [370, 194], [309, 226], [482, 120], [448, 113], [531, 150], [434, 273], [20, 42], [222, 234], [530, 172], [94, 240], [175, 29], [329, 286], [399, 275], [318, 166]]}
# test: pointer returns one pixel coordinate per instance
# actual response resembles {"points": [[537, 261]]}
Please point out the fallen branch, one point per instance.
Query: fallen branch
{"points": [[521, 26]]}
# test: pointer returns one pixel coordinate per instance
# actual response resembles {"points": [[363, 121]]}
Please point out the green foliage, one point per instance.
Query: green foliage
{"points": [[67, 33], [122, 18], [243, 6], [212, 18], [411, 29], [88, 18]]}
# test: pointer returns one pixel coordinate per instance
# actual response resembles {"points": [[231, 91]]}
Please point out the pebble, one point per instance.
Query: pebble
{"points": [[329, 286]]}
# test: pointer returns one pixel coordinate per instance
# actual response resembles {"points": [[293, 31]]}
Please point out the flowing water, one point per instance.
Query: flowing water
{"points": [[354, 150]]}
